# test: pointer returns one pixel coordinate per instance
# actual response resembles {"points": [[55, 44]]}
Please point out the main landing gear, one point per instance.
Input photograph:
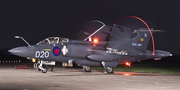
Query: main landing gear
{"points": [[40, 66], [107, 69]]}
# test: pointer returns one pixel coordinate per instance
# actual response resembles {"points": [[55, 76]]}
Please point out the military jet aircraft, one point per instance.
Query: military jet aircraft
{"points": [[118, 48]]}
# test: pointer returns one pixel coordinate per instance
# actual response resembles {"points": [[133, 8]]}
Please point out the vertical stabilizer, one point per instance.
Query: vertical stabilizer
{"points": [[141, 40]]}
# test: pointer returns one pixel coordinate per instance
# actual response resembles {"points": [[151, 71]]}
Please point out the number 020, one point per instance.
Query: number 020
{"points": [[42, 54]]}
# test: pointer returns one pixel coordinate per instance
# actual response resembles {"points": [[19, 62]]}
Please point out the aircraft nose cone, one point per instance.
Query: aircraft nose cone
{"points": [[20, 51]]}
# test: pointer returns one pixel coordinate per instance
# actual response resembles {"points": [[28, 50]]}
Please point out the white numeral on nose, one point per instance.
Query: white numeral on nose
{"points": [[42, 54]]}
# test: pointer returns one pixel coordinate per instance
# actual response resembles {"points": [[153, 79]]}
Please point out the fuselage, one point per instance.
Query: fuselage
{"points": [[83, 53]]}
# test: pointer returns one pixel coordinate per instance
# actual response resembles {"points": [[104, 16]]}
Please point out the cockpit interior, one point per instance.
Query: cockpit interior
{"points": [[52, 40]]}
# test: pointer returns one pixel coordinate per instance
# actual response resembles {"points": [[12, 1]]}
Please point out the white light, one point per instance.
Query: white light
{"points": [[17, 37]]}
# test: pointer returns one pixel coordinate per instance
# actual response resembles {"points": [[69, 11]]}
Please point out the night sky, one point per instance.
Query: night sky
{"points": [[36, 20]]}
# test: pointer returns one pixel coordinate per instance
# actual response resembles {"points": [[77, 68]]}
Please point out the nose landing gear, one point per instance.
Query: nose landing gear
{"points": [[40, 66]]}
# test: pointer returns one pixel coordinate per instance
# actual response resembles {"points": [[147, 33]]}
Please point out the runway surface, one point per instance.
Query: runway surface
{"points": [[75, 79]]}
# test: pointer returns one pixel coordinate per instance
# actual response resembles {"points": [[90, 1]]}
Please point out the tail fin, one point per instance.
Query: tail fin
{"points": [[142, 39], [121, 39]]}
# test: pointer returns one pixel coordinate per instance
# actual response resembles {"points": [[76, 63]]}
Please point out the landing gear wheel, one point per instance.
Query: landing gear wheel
{"points": [[108, 70], [86, 69], [44, 70]]}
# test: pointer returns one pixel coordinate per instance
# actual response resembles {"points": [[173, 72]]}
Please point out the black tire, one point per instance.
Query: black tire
{"points": [[109, 70], [87, 69], [45, 70]]}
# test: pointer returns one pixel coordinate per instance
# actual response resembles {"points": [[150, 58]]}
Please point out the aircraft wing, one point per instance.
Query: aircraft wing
{"points": [[94, 30], [120, 38]]}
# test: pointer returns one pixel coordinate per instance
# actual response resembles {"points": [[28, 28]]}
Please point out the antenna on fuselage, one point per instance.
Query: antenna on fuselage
{"points": [[22, 39]]}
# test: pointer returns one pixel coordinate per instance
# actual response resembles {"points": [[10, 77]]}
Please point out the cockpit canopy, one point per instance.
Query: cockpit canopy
{"points": [[52, 40]]}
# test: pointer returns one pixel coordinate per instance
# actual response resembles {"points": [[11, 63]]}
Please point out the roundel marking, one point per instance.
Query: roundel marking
{"points": [[121, 29], [56, 51]]}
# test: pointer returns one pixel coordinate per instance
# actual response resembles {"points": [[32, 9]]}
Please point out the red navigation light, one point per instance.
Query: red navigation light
{"points": [[128, 64], [95, 40]]}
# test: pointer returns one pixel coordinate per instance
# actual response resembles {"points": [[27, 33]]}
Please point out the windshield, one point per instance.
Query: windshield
{"points": [[52, 40]]}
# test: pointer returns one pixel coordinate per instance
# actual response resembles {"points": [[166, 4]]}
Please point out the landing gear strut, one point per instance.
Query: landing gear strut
{"points": [[86, 69]]}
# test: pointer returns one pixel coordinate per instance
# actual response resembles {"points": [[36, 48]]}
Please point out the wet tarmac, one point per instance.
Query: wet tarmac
{"points": [[75, 79]]}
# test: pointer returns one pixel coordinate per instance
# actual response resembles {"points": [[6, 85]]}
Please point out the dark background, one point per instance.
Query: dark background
{"points": [[36, 20]]}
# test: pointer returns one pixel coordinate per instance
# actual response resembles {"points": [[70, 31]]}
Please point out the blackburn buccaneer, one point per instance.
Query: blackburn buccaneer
{"points": [[108, 46]]}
